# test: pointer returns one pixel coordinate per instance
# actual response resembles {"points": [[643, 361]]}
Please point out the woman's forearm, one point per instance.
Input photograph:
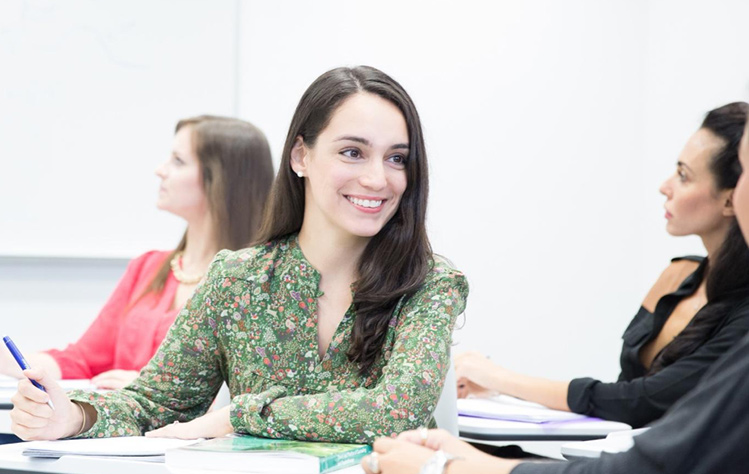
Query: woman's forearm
{"points": [[550, 393]]}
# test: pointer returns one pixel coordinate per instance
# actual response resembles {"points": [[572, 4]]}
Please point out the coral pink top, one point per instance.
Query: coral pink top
{"points": [[128, 330]]}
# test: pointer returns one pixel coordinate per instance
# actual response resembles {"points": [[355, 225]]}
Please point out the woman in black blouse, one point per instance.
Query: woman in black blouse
{"points": [[704, 433], [694, 313]]}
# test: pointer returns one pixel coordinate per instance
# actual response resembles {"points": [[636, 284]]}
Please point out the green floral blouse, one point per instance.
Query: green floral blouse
{"points": [[253, 323]]}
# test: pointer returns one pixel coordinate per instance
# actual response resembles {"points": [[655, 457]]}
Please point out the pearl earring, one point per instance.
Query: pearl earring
{"points": [[300, 174]]}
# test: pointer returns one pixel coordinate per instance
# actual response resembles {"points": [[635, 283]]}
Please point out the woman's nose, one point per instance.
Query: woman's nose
{"points": [[665, 188], [374, 176], [161, 170]]}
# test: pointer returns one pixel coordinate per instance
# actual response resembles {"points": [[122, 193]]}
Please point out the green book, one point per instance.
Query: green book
{"points": [[242, 453]]}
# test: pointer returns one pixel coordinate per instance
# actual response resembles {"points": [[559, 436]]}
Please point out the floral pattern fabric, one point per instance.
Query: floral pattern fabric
{"points": [[253, 323]]}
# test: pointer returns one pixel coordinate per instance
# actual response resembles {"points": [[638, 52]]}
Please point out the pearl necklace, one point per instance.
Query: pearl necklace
{"points": [[179, 274]]}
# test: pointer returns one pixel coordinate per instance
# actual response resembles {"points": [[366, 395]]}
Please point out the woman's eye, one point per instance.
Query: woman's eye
{"points": [[352, 153], [682, 175], [398, 160], [178, 160]]}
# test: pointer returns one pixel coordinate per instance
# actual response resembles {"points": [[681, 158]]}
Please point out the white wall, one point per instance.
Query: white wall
{"points": [[48, 303], [549, 126], [89, 95]]}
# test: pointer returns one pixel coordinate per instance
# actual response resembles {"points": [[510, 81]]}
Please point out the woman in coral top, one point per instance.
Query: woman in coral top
{"points": [[217, 179]]}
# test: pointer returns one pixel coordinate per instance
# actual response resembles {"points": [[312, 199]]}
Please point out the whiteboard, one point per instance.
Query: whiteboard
{"points": [[90, 93]]}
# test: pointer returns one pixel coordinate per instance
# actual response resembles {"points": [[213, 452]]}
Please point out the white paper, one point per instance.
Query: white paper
{"points": [[122, 446], [512, 409]]}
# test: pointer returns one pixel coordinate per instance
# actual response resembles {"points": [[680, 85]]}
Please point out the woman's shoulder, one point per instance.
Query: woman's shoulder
{"points": [[687, 260], [678, 270], [739, 309], [148, 261], [444, 271], [445, 289], [247, 262], [152, 257], [672, 277]]}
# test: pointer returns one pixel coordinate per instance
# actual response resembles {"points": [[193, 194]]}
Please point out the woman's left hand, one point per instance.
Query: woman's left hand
{"points": [[408, 453], [211, 425], [114, 379], [478, 376], [397, 457]]}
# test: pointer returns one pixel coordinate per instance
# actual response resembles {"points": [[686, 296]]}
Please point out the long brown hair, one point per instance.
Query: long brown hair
{"points": [[396, 260], [237, 173], [727, 277]]}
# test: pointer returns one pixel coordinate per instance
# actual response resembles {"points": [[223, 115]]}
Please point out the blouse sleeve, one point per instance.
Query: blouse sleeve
{"points": [[644, 399], [180, 381], [403, 398], [705, 432], [94, 352]]}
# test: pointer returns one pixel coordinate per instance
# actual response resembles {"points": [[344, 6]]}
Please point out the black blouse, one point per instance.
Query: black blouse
{"points": [[637, 398], [706, 432]]}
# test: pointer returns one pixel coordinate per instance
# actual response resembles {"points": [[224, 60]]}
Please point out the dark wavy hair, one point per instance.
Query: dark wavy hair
{"points": [[727, 278], [396, 260]]}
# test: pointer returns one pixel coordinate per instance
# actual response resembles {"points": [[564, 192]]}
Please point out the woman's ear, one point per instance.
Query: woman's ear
{"points": [[299, 157], [728, 210]]}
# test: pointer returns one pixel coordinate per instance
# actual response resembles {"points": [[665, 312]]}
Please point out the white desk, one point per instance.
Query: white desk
{"points": [[5, 407], [13, 462], [545, 439], [5, 421]]}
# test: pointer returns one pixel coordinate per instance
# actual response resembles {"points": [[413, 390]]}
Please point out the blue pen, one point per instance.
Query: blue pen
{"points": [[24, 365]]}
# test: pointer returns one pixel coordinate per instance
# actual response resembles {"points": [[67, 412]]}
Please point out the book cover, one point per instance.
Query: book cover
{"points": [[242, 453]]}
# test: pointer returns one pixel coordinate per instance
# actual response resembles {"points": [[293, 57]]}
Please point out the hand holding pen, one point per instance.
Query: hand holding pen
{"points": [[23, 364], [34, 414]]}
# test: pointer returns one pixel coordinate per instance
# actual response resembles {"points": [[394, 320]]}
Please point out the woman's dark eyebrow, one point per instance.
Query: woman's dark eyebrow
{"points": [[684, 165], [364, 141], [352, 138]]}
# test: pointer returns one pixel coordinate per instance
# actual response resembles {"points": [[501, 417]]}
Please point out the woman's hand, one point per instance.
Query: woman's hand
{"points": [[410, 450], [440, 439], [396, 457], [477, 375], [114, 379], [211, 425], [33, 419]]}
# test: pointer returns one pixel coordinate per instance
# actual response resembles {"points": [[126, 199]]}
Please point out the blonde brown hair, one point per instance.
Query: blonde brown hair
{"points": [[237, 174]]}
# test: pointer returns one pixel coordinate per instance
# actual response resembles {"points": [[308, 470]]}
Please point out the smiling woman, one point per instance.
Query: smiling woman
{"points": [[362, 154], [335, 326]]}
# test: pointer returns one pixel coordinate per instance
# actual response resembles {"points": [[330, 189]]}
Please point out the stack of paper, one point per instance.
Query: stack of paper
{"points": [[130, 447], [508, 408]]}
